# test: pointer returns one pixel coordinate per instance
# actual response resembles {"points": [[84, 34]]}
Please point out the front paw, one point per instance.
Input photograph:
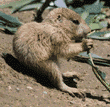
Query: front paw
{"points": [[87, 44]]}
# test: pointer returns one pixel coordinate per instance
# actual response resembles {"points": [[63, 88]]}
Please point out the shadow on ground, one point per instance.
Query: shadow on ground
{"points": [[42, 79]]}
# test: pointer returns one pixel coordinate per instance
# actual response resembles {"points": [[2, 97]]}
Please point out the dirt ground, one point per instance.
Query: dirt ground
{"points": [[18, 89]]}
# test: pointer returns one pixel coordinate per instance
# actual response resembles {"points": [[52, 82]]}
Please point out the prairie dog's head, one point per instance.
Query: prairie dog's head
{"points": [[69, 21]]}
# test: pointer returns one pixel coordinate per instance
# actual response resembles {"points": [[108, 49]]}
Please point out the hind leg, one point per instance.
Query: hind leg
{"points": [[72, 75], [51, 70]]}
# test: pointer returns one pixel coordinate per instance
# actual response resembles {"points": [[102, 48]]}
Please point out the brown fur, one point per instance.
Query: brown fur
{"points": [[42, 44]]}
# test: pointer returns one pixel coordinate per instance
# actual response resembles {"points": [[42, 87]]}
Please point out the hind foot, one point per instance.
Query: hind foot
{"points": [[72, 91]]}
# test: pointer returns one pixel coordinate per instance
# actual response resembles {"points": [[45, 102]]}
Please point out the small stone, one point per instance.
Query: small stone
{"points": [[29, 87], [71, 102], [45, 92], [9, 87], [17, 89]]}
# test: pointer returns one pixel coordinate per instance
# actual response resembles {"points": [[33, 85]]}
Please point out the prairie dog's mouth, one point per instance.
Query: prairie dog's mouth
{"points": [[90, 33], [77, 40]]}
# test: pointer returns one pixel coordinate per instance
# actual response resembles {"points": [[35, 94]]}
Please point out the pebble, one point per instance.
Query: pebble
{"points": [[71, 102], [29, 87], [17, 89], [45, 92], [9, 87]]}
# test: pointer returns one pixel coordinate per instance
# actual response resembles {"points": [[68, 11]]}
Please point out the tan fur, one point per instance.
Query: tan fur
{"points": [[42, 44]]}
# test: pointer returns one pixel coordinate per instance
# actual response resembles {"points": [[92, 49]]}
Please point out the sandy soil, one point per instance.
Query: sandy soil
{"points": [[20, 87]]}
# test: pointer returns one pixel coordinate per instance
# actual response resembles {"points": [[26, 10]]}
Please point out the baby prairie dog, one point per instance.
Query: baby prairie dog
{"points": [[40, 45]]}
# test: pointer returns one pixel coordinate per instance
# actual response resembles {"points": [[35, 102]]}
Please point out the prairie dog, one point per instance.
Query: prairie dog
{"points": [[42, 44]]}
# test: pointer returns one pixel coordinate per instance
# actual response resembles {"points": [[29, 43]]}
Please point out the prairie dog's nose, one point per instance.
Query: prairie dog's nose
{"points": [[80, 30], [86, 28]]}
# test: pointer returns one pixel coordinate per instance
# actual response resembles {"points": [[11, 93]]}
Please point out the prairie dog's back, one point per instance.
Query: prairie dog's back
{"points": [[32, 42]]}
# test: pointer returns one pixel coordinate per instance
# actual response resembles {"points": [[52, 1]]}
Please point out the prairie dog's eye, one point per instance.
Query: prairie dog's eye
{"points": [[59, 18], [75, 21]]}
